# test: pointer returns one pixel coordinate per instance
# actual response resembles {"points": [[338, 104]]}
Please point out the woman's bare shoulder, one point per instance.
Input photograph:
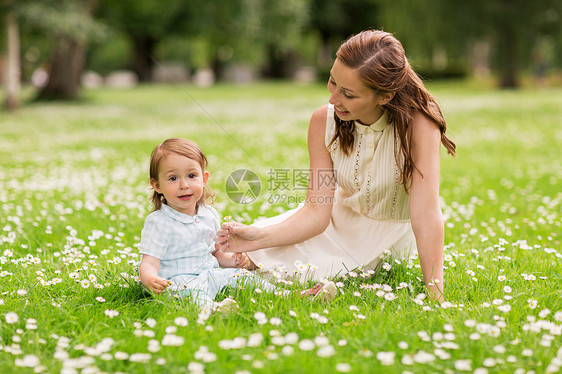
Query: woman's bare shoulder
{"points": [[320, 114], [317, 131], [424, 128], [421, 121], [318, 119]]}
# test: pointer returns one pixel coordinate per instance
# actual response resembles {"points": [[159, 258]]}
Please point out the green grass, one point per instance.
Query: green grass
{"points": [[73, 193]]}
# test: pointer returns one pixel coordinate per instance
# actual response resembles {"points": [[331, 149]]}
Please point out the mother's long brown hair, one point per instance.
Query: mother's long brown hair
{"points": [[382, 66]]}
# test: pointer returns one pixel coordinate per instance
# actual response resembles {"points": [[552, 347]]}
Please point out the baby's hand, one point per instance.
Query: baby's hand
{"points": [[158, 285], [241, 260]]}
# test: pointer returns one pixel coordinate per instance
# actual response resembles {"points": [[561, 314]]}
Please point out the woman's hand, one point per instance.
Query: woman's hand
{"points": [[237, 237]]}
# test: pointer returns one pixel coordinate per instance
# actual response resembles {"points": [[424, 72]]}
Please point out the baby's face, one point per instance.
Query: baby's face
{"points": [[181, 180]]}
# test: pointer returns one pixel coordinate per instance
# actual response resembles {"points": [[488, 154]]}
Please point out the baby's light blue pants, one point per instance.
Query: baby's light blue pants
{"points": [[204, 287]]}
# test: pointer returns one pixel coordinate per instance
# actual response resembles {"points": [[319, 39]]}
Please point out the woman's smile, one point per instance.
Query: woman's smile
{"points": [[341, 113]]}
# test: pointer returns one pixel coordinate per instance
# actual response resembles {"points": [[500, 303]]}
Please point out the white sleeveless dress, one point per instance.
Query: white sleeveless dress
{"points": [[370, 214]]}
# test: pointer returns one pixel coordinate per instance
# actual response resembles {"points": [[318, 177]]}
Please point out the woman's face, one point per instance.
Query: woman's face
{"points": [[352, 99]]}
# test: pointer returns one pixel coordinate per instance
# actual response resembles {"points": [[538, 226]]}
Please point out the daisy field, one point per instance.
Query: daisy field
{"points": [[74, 194]]}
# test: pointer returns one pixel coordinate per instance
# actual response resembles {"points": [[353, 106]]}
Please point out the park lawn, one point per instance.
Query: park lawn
{"points": [[74, 188]]}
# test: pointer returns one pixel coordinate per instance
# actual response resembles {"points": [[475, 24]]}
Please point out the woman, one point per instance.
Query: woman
{"points": [[379, 142]]}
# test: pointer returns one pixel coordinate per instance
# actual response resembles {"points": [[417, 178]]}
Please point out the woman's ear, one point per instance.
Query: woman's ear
{"points": [[385, 97], [205, 177], [155, 185]]}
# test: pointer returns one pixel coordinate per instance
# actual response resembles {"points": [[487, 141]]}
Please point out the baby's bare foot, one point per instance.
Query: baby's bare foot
{"points": [[243, 261]]}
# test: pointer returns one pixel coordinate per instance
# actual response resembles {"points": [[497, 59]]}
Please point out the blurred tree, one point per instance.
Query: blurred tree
{"points": [[279, 25], [13, 71], [337, 20], [434, 44], [222, 25], [512, 27], [146, 23], [518, 26], [251, 27], [71, 26]]}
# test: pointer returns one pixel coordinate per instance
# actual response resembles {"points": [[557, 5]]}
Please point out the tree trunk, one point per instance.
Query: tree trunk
{"points": [[67, 63], [64, 71], [280, 65], [507, 44], [143, 54], [507, 50], [13, 71], [219, 67]]}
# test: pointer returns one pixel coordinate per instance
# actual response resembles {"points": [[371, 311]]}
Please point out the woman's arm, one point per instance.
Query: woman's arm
{"points": [[312, 219], [425, 211], [148, 272]]}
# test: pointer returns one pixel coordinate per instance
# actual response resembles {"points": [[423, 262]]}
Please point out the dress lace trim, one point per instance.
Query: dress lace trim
{"points": [[357, 158]]}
